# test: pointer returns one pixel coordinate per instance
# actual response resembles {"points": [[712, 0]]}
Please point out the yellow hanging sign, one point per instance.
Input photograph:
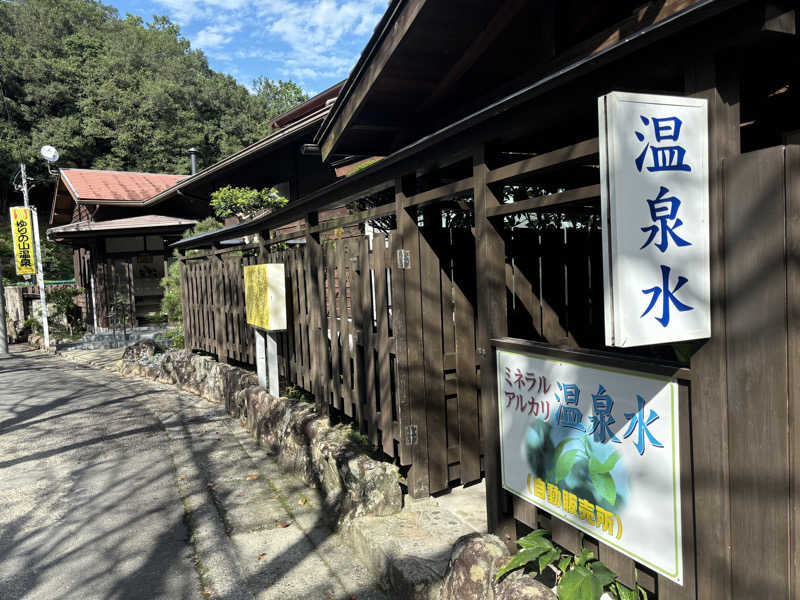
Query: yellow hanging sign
{"points": [[22, 232]]}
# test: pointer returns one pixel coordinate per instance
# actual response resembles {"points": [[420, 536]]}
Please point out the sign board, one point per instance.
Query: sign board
{"points": [[598, 448], [265, 296], [654, 208], [22, 233]]}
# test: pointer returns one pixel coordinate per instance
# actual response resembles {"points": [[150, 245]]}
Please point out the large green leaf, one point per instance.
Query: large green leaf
{"points": [[595, 466], [604, 484], [579, 584], [605, 575], [535, 542], [548, 557], [560, 448], [584, 557], [564, 464], [520, 559], [625, 593], [565, 562]]}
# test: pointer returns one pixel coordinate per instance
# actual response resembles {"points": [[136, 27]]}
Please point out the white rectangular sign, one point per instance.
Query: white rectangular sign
{"points": [[598, 448], [654, 207]]}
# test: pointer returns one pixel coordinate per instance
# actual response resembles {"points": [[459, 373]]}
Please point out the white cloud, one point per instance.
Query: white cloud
{"points": [[215, 36], [305, 40]]}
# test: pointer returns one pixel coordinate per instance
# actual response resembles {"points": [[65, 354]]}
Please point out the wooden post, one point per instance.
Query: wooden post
{"points": [[185, 310], [219, 305], [315, 283], [492, 323], [704, 79], [408, 332]]}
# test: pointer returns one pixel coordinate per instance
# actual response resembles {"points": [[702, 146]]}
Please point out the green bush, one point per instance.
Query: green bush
{"points": [[174, 337], [62, 299], [32, 324]]}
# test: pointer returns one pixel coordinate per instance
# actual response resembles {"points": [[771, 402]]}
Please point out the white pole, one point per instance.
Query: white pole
{"points": [[261, 357], [38, 254], [272, 364]]}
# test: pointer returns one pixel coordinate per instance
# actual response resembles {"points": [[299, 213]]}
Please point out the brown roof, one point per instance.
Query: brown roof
{"points": [[311, 105], [123, 225], [89, 185]]}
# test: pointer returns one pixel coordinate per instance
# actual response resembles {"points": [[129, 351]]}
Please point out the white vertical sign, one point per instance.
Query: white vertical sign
{"points": [[654, 181]]}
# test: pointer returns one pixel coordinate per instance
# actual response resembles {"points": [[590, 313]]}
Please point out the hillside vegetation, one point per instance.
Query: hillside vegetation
{"points": [[114, 92]]}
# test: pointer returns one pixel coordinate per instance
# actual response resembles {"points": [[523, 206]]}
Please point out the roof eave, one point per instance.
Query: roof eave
{"points": [[689, 16], [280, 136], [378, 35]]}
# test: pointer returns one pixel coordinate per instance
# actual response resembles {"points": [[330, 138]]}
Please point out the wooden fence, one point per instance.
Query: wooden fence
{"points": [[388, 332]]}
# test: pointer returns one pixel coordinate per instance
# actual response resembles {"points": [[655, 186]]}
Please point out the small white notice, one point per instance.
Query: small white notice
{"points": [[654, 207], [596, 447]]}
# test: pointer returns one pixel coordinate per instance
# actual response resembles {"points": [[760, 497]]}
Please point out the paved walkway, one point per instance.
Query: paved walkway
{"points": [[118, 488]]}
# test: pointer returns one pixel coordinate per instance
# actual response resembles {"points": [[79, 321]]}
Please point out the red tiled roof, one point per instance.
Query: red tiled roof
{"points": [[89, 185]]}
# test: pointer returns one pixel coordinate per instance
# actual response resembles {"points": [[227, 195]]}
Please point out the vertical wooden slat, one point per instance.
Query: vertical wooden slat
{"points": [[344, 328], [793, 335], [411, 372], [291, 276], [525, 512], [302, 313], [705, 79], [467, 382], [314, 277], [359, 270], [219, 306], [334, 329], [492, 323], [366, 260], [755, 284], [433, 363], [384, 351]]}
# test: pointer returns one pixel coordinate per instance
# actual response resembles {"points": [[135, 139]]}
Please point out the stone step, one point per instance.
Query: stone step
{"points": [[410, 551]]}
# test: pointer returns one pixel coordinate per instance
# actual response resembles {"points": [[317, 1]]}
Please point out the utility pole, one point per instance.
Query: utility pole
{"points": [[38, 254], [3, 332]]}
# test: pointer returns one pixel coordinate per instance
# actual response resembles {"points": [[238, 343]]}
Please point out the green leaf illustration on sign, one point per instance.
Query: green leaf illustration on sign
{"points": [[564, 464]]}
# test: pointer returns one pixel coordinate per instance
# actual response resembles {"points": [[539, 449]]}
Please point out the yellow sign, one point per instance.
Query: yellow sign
{"points": [[265, 296], [22, 231]]}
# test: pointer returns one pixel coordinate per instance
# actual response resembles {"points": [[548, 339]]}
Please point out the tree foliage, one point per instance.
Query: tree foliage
{"points": [[244, 202], [118, 93]]}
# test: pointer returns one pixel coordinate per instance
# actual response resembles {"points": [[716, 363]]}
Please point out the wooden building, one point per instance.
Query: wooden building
{"points": [[120, 223], [487, 120], [119, 244]]}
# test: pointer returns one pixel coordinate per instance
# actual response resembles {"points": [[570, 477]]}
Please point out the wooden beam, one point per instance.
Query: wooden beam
{"points": [[371, 213], [443, 191], [501, 19], [644, 16], [556, 158], [540, 202], [373, 67]]}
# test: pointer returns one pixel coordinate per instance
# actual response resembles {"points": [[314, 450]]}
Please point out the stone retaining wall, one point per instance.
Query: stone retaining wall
{"points": [[354, 483]]}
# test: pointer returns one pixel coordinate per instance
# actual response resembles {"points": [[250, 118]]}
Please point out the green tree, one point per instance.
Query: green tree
{"points": [[277, 97], [115, 92], [244, 202]]}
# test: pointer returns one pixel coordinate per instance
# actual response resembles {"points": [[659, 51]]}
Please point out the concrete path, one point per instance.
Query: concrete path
{"points": [[119, 488]]}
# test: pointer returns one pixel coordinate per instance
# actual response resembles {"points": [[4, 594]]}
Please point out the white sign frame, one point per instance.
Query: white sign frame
{"points": [[629, 268], [648, 536]]}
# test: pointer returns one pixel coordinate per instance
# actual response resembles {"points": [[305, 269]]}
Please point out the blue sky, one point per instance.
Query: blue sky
{"points": [[312, 42]]}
